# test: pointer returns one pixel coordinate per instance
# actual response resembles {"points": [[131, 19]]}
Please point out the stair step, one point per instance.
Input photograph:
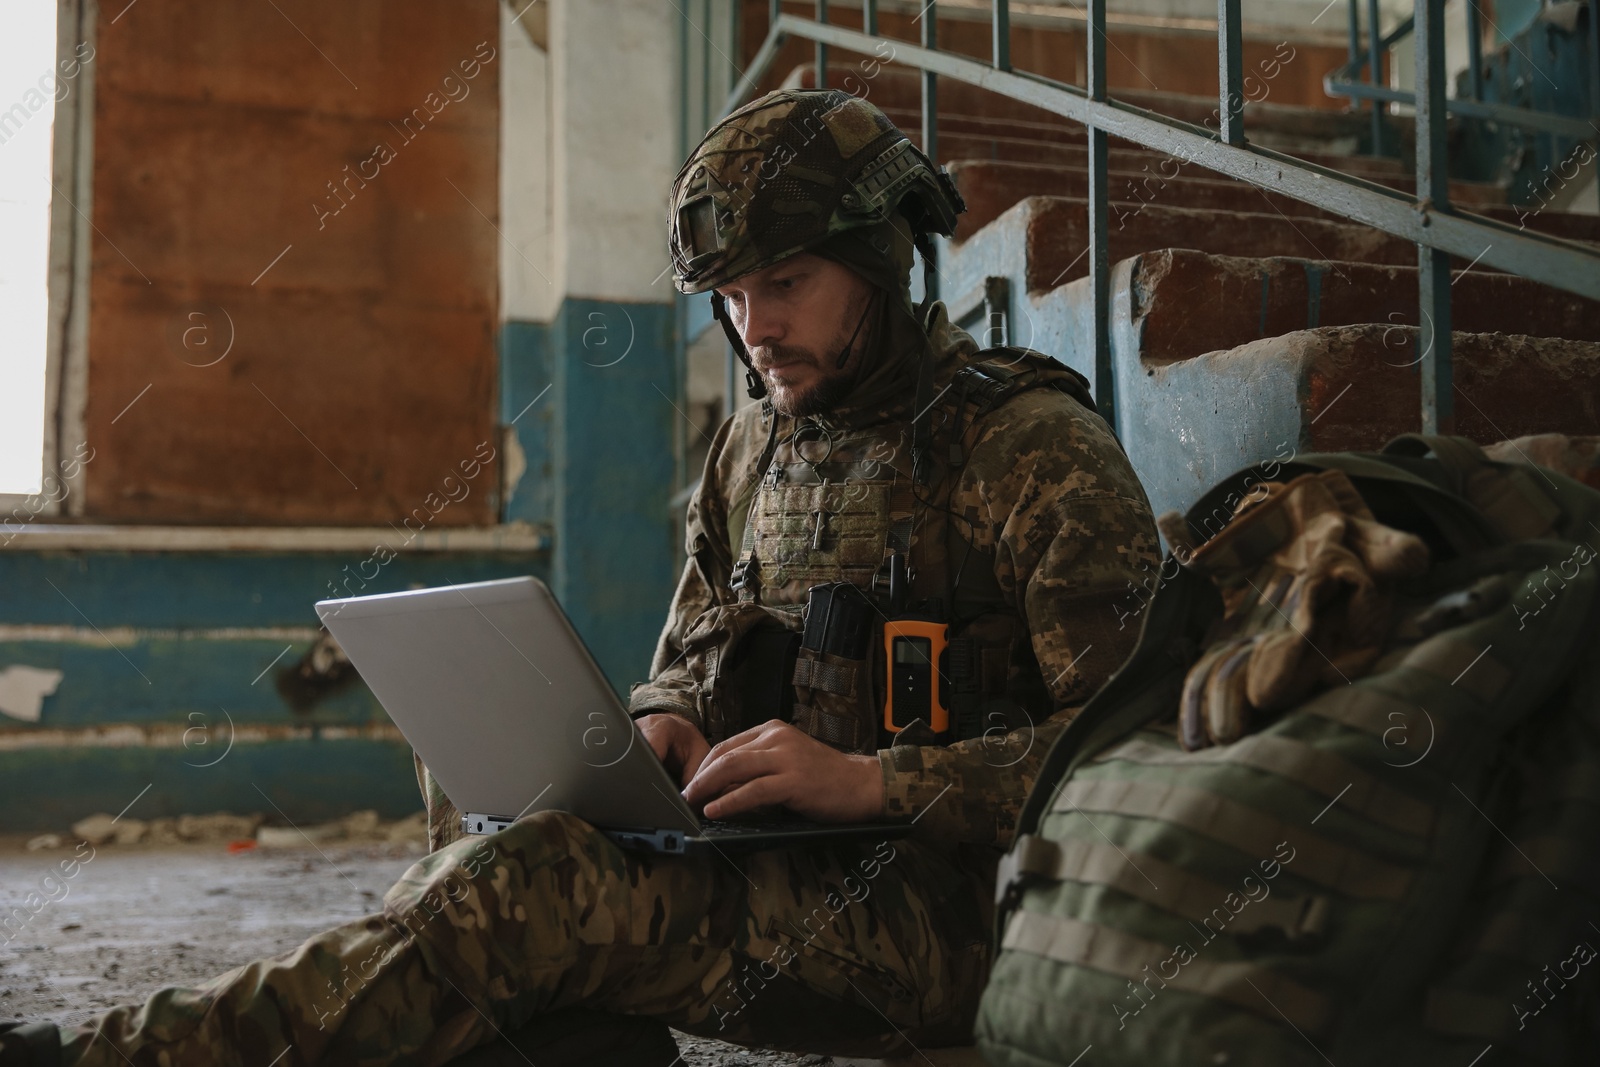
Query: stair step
{"points": [[1170, 308], [1057, 233], [978, 124], [990, 187], [1262, 120], [1056, 132], [1188, 303], [1174, 304], [900, 88], [961, 137], [1357, 386], [1338, 388]]}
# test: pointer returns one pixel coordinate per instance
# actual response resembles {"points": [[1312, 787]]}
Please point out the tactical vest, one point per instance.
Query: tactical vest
{"points": [[1397, 868], [840, 505]]}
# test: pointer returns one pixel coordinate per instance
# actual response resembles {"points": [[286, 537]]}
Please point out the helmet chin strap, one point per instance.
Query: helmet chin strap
{"points": [[844, 353], [754, 386]]}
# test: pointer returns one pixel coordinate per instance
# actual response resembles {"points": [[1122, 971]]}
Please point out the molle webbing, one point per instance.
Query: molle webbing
{"points": [[829, 677], [1250, 831], [1307, 765], [1246, 985], [817, 531], [1461, 664], [1162, 884]]}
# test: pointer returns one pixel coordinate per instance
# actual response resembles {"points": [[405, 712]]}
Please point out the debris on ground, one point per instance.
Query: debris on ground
{"points": [[357, 826], [362, 826], [137, 919]]}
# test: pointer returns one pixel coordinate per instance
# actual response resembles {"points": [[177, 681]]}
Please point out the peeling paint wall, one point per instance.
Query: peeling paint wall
{"points": [[23, 689], [179, 671]]}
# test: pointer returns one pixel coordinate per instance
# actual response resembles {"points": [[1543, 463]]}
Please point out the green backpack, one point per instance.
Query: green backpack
{"points": [[1404, 869]]}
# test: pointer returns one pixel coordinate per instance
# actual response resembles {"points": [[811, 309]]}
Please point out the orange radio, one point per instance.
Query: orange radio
{"points": [[914, 652]]}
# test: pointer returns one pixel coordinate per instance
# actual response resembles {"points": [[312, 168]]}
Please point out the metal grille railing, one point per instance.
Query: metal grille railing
{"points": [[1346, 80], [1426, 218]]}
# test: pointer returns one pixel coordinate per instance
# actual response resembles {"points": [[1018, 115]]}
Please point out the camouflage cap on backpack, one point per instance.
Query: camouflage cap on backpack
{"points": [[787, 171]]}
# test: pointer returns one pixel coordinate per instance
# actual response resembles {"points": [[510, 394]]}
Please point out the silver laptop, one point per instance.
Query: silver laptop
{"points": [[497, 693]]}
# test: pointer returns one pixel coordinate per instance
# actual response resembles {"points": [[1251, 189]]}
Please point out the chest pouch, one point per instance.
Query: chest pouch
{"points": [[835, 689], [745, 653]]}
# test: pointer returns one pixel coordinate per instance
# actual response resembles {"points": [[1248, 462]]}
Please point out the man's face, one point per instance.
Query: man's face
{"points": [[795, 317]]}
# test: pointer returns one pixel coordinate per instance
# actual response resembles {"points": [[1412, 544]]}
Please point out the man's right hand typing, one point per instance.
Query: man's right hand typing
{"points": [[677, 744]]}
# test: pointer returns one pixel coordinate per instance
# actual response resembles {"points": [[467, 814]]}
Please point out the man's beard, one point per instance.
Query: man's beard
{"points": [[834, 384]]}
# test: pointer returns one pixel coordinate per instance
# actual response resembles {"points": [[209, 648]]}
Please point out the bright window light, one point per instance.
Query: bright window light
{"points": [[31, 82]]}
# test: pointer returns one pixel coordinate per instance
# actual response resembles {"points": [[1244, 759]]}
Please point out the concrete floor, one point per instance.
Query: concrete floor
{"points": [[133, 920]]}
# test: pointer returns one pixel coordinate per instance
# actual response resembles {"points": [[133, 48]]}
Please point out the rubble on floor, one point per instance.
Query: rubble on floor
{"points": [[241, 832], [137, 919]]}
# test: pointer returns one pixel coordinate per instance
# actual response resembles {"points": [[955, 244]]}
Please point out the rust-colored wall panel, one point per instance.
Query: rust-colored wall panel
{"points": [[298, 424], [369, 322]]}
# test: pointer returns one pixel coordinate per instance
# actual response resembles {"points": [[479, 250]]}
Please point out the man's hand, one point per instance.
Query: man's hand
{"points": [[775, 763], [676, 743]]}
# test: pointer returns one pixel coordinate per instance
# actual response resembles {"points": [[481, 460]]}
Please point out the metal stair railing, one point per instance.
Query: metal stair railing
{"points": [[1427, 219], [1347, 81]]}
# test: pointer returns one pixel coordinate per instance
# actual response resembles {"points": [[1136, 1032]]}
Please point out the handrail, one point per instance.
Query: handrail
{"points": [[1426, 220], [1402, 30], [1527, 118], [1346, 81]]}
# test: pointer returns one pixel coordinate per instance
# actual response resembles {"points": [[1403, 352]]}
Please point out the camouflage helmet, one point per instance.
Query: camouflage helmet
{"points": [[787, 171]]}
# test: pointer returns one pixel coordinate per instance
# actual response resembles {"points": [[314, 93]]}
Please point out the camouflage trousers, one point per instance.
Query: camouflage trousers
{"points": [[868, 949]]}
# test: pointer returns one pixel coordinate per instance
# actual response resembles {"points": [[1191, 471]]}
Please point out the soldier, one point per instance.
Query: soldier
{"points": [[976, 492]]}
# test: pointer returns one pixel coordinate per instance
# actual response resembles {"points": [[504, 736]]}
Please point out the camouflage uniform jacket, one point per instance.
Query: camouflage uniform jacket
{"points": [[1040, 490]]}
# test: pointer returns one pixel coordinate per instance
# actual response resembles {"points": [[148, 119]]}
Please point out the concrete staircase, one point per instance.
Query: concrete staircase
{"points": [[975, 124], [989, 187], [1246, 326]]}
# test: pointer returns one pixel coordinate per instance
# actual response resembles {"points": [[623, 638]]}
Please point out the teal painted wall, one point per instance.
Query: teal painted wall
{"points": [[145, 649], [162, 676], [311, 781], [599, 442]]}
